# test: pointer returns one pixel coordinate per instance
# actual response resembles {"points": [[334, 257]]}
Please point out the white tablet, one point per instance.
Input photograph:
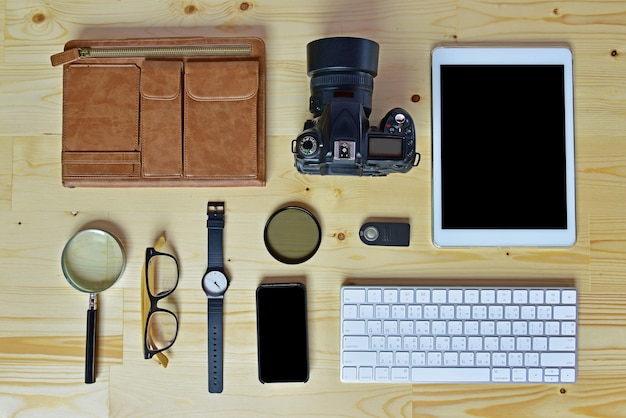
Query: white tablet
{"points": [[503, 147]]}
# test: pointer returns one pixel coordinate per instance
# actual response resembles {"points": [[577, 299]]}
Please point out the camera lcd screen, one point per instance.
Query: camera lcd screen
{"points": [[503, 148], [385, 148]]}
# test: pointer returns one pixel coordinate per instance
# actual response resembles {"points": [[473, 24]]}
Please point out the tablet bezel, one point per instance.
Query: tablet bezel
{"points": [[503, 237]]}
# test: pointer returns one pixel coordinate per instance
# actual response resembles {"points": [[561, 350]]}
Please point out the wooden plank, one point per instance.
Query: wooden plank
{"points": [[6, 173], [608, 254]]}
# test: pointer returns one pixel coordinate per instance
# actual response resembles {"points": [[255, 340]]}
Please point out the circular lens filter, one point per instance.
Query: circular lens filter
{"points": [[292, 235]]}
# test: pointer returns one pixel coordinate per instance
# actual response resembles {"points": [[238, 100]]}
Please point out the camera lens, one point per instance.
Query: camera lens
{"points": [[342, 68]]}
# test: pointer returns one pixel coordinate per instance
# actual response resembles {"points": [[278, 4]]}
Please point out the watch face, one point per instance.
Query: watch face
{"points": [[214, 283]]}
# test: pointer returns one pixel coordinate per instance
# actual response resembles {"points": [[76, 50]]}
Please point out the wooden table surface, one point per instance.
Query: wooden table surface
{"points": [[42, 319]]}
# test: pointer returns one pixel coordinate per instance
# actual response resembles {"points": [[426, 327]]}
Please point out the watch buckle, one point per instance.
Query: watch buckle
{"points": [[215, 208]]}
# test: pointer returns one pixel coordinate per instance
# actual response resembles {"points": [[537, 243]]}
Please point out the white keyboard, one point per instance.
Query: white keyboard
{"points": [[458, 335]]}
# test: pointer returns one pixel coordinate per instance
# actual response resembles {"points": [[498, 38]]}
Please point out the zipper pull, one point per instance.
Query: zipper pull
{"points": [[65, 57]]}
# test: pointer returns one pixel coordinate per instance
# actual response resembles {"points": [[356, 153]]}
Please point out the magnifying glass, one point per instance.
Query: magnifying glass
{"points": [[292, 235], [92, 261]]}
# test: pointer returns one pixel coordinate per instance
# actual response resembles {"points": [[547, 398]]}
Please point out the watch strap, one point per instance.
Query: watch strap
{"points": [[216, 344], [215, 228]]}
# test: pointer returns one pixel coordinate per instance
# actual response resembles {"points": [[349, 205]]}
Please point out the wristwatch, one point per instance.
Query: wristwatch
{"points": [[214, 284]]}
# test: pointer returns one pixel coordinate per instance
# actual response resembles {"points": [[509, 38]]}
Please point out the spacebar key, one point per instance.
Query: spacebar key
{"points": [[450, 375]]}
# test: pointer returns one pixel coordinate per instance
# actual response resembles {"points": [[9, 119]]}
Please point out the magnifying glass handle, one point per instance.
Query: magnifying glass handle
{"points": [[90, 346]]}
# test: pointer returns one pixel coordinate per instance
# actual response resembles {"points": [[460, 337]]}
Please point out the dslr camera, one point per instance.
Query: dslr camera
{"points": [[339, 139]]}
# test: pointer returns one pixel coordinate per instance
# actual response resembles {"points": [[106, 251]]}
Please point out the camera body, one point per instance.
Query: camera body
{"points": [[339, 140]]}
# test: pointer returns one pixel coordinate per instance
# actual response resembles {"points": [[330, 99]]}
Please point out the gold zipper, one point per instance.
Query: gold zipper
{"points": [[150, 51], [164, 51]]}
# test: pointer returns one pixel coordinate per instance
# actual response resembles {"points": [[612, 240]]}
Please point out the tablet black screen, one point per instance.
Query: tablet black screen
{"points": [[503, 147]]}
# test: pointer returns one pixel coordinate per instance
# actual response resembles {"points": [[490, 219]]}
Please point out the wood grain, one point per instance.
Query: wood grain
{"points": [[42, 319]]}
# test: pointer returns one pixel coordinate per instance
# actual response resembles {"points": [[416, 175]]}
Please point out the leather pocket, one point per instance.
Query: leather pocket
{"points": [[161, 119], [220, 126], [101, 108], [101, 121]]}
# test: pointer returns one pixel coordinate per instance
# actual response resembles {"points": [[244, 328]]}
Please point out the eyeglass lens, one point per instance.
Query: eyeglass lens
{"points": [[162, 275], [162, 279]]}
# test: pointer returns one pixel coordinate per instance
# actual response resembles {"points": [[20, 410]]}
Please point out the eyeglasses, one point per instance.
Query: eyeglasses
{"points": [[161, 275]]}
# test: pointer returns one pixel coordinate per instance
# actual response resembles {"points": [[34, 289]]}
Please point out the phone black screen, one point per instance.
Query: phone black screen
{"points": [[282, 333]]}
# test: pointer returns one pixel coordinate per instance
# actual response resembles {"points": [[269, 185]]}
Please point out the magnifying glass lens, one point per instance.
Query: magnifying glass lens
{"points": [[92, 261]]}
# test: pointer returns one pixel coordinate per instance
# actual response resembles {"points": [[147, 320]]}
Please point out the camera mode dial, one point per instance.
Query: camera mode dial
{"points": [[308, 146]]}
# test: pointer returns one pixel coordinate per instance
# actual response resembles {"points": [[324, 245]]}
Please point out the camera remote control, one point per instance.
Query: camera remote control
{"points": [[390, 234]]}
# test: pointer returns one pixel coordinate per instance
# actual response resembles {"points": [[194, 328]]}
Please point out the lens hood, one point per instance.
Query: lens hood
{"points": [[342, 54]]}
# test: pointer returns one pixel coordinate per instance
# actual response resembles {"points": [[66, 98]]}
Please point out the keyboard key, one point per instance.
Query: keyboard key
{"points": [[536, 297], [450, 375], [349, 374], [374, 296], [366, 374], [487, 296], [382, 311], [568, 328], [423, 296], [366, 311], [564, 312], [501, 375], [535, 375], [568, 375], [400, 374], [356, 343], [471, 296], [553, 297], [406, 327], [374, 327], [354, 327], [439, 296], [357, 358], [402, 359], [455, 296], [558, 359], [418, 358], [504, 296], [390, 296], [353, 295], [406, 296], [379, 342], [518, 375], [568, 297], [520, 297], [414, 312], [381, 374], [531, 359], [385, 358], [398, 311], [350, 311]]}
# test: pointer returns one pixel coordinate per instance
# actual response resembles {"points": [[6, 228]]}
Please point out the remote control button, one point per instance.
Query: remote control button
{"points": [[371, 233]]}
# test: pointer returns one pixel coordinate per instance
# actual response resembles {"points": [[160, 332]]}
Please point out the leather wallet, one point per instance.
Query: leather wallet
{"points": [[163, 112]]}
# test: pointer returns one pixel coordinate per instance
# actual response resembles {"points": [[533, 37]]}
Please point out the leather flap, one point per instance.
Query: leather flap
{"points": [[100, 164], [222, 80], [161, 79]]}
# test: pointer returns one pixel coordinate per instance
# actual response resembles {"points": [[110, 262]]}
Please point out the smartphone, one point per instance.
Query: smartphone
{"points": [[282, 333]]}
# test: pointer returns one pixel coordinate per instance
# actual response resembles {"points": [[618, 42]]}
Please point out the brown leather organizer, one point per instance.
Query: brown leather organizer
{"points": [[163, 112]]}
